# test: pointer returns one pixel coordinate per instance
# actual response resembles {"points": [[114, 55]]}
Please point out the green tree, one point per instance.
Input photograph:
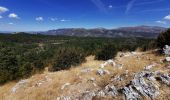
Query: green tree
{"points": [[67, 57], [163, 39], [107, 52]]}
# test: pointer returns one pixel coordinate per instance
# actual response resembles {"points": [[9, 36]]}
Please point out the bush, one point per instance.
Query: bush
{"points": [[163, 39], [107, 52], [67, 57]]}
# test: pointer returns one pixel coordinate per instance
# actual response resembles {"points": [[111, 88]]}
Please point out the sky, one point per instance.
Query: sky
{"points": [[42, 15]]}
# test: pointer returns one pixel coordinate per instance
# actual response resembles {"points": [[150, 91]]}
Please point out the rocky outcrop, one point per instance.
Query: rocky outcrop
{"points": [[19, 85]]}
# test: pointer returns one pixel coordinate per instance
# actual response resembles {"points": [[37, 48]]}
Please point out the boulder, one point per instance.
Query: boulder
{"points": [[130, 94], [102, 72], [101, 93], [167, 59], [145, 87], [107, 63], [166, 50]]}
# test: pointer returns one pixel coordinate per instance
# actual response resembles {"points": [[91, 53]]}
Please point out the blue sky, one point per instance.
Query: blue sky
{"points": [[40, 15]]}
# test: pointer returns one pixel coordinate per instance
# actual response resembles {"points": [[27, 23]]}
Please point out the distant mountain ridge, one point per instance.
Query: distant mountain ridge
{"points": [[138, 31]]}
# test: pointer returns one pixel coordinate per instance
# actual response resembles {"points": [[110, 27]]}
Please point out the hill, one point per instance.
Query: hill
{"points": [[126, 32]]}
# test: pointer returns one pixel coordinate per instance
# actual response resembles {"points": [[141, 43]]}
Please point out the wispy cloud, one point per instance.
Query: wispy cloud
{"points": [[3, 9], [13, 15], [133, 3], [164, 20], [39, 18], [64, 20], [161, 22], [11, 23], [1, 17], [100, 5], [130, 6], [53, 19]]}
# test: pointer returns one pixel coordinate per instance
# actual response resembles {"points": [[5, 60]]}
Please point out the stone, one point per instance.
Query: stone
{"points": [[102, 72], [146, 88], [167, 59], [88, 95], [66, 84], [149, 67], [166, 50], [86, 70], [108, 62], [130, 94], [101, 94], [20, 84], [67, 98], [165, 78], [111, 90], [92, 79]]}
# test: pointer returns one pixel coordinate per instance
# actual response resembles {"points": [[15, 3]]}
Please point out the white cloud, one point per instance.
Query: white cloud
{"points": [[167, 17], [39, 19], [63, 20], [110, 6], [10, 23], [3, 9], [13, 15], [1, 17], [161, 22], [53, 19]]}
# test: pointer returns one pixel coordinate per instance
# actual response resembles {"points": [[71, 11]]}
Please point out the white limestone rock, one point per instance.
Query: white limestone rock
{"points": [[130, 94], [88, 95], [167, 59], [102, 72], [107, 63], [20, 84], [149, 67], [111, 90], [66, 84], [166, 50]]}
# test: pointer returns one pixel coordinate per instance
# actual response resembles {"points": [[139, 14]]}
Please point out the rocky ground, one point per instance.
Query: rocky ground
{"points": [[130, 76]]}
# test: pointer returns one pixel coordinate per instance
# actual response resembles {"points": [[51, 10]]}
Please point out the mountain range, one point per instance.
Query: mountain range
{"points": [[137, 31]]}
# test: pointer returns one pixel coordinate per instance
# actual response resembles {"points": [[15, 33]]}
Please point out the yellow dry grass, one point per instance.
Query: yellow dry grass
{"points": [[50, 89]]}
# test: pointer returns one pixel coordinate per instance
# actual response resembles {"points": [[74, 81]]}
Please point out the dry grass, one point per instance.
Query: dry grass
{"points": [[50, 89]]}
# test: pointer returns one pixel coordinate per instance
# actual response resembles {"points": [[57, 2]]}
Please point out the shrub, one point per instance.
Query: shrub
{"points": [[67, 57], [107, 52], [163, 39]]}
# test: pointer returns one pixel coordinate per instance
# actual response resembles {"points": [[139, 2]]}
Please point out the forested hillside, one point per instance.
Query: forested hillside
{"points": [[22, 54]]}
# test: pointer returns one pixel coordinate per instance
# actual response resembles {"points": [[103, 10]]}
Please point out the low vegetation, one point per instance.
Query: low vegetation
{"points": [[67, 57], [22, 54]]}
